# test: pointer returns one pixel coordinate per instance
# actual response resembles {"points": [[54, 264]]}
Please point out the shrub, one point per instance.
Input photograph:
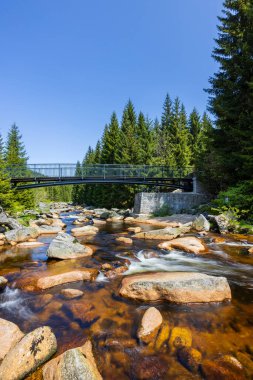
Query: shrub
{"points": [[162, 211]]}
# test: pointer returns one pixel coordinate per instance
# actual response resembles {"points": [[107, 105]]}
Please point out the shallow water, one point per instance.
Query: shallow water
{"points": [[101, 314]]}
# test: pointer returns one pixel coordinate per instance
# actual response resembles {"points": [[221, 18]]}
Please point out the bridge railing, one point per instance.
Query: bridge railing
{"points": [[97, 171]]}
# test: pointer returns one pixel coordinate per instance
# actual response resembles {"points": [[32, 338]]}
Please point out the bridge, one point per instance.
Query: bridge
{"points": [[41, 175]]}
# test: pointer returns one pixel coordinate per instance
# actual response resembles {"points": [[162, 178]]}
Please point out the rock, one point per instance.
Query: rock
{"points": [[167, 233], [49, 230], [113, 219], [149, 368], [99, 222], [178, 287], [106, 266], [28, 354], [150, 325], [190, 358], [162, 336], [75, 364], [65, 246], [21, 234], [222, 221], [222, 370], [180, 337], [189, 244], [86, 230], [82, 311], [1, 242], [201, 224], [219, 239], [58, 223], [71, 293], [30, 244], [10, 335], [73, 276], [42, 300], [250, 250], [3, 282], [149, 254], [135, 230], [9, 222], [124, 240], [114, 272]]}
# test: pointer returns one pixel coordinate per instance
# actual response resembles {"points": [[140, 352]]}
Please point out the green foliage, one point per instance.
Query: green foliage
{"points": [[163, 211]]}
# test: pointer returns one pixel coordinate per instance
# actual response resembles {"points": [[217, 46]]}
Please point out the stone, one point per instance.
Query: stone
{"points": [[42, 300], [124, 240], [163, 336], [190, 358], [73, 276], [149, 254], [85, 230], [10, 335], [167, 233], [150, 325], [3, 282], [250, 250], [65, 246], [106, 266], [189, 244], [149, 368], [214, 370], [201, 224], [135, 230], [9, 222], [222, 221], [30, 244], [58, 223], [114, 272], [177, 287], [180, 337], [21, 234], [82, 311], [74, 364], [71, 293], [28, 354], [49, 230], [99, 222], [1, 242]]}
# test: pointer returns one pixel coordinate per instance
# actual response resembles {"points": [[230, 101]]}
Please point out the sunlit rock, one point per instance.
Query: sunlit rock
{"points": [[86, 230], [150, 325], [65, 246], [190, 358], [3, 282], [189, 244], [124, 240], [21, 234], [73, 276], [180, 337], [201, 224], [71, 293], [10, 335]]}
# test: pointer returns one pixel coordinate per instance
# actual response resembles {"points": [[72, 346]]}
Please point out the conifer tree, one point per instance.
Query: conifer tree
{"points": [[129, 143], [110, 153], [231, 92]]}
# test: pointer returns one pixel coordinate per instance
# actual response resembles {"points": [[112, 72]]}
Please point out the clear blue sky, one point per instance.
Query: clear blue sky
{"points": [[67, 64]]}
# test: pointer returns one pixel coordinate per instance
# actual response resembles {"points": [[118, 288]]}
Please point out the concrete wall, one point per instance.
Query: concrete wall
{"points": [[146, 203]]}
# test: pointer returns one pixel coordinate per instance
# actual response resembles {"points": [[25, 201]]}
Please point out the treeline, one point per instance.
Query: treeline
{"points": [[176, 141]]}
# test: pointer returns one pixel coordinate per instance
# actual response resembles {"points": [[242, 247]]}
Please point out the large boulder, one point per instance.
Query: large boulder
{"points": [[49, 230], [201, 224], [77, 363], [189, 244], [86, 230], [28, 354], [64, 278], [10, 335], [222, 222], [3, 282], [167, 233], [21, 234], [178, 287], [9, 222], [150, 325], [65, 246]]}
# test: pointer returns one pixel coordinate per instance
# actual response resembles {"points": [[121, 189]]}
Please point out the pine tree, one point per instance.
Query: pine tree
{"points": [[110, 152], [144, 139], [129, 143], [231, 92], [195, 130]]}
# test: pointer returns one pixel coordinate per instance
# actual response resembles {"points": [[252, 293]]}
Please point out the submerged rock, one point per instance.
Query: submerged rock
{"points": [[177, 287], [71, 293], [190, 358], [77, 363], [73, 276], [224, 368], [162, 336], [124, 240], [28, 354], [150, 325], [10, 335], [65, 246], [189, 244], [135, 230], [180, 337]]}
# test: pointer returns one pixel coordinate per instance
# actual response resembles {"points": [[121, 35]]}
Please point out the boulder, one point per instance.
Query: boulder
{"points": [[71, 293], [167, 233], [189, 244], [28, 354], [250, 250], [180, 337], [65, 246], [222, 222], [77, 363], [49, 230], [177, 287], [86, 230], [73, 276], [124, 240], [9, 222], [201, 224], [3, 282], [150, 325], [10, 335], [21, 234]]}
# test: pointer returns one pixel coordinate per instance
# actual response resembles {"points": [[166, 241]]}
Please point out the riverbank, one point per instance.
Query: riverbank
{"points": [[87, 297]]}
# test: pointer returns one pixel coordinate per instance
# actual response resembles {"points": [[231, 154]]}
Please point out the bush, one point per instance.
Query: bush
{"points": [[238, 200], [162, 211]]}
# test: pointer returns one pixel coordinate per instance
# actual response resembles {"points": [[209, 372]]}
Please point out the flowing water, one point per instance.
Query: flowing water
{"points": [[111, 321]]}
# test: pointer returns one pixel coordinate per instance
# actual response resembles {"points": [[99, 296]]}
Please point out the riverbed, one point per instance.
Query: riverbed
{"points": [[111, 322]]}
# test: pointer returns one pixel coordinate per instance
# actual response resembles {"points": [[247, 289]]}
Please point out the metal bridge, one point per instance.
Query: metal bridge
{"points": [[41, 175]]}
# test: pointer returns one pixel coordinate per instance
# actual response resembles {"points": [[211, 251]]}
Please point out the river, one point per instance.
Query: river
{"points": [[112, 321]]}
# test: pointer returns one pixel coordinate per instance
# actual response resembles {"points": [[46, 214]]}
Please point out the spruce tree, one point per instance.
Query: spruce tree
{"points": [[231, 92], [110, 151], [129, 143]]}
